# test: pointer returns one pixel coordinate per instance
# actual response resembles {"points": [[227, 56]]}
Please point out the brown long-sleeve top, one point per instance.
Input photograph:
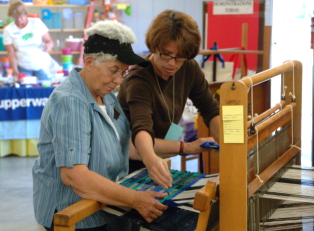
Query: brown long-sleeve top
{"points": [[142, 102]]}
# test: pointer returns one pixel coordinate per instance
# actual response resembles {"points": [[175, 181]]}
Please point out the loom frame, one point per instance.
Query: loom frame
{"points": [[236, 185]]}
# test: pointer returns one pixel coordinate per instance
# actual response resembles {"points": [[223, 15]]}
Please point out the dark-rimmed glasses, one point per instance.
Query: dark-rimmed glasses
{"points": [[169, 57]]}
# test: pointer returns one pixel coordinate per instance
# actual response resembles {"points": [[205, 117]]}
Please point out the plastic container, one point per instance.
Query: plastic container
{"points": [[66, 51], [67, 17], [66, 58], [21, 76], [1, 43], [56, 20], [47, 17], [9, 72], [67, 66], [59, 1], [79, 20], [5, 63], [28, 2], [41, 2], [73, 43], [78, 2], [9, 20], [66, 73], [33, 15]]}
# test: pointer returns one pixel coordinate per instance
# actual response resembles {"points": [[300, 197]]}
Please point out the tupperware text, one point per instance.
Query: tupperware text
{"points": [[6, 104]]}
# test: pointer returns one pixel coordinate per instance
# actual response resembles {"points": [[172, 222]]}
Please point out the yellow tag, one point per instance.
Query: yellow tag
{"points": [[121, 6]]}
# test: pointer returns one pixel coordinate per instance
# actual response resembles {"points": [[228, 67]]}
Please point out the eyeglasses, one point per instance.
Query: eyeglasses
{"points": [[116, 74], [169, 57]]}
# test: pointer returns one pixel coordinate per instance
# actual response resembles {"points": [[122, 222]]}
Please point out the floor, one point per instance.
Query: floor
{"points": [[16, 202]]}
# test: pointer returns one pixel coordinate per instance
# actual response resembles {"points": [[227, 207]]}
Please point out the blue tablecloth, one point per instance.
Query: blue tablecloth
{"points": [[20, 111]]}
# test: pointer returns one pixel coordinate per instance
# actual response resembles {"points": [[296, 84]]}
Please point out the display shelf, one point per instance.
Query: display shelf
{"points": [[49, 5], [60, 30], [97, 4], [50, 52], [60, 52]]}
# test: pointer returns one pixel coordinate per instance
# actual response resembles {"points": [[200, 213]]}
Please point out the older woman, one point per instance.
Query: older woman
{"points": [[27, 42], [173, 76], [84, 135]]}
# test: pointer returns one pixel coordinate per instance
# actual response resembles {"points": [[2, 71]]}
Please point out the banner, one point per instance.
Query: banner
{"points": [[23, 103]]}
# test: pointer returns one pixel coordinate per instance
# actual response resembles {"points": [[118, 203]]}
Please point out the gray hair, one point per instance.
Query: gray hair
{"points": [[101, 57]]}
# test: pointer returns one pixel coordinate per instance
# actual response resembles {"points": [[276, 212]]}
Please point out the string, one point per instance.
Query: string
{"points": [[280, 105], [292, 94], [252, 117], [257, 146], [257, 157], [292, 128], [283, 87], [173, 98]]}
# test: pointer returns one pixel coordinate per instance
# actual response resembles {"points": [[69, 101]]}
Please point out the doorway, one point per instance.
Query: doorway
{"points": [[291, 29]]}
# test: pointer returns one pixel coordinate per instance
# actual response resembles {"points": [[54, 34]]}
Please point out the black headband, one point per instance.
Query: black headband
{"points": [[97, 43]]}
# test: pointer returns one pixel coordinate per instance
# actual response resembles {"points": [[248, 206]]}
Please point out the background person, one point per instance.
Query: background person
{"points": [[84, 136], [154, 97], [27, 42]]}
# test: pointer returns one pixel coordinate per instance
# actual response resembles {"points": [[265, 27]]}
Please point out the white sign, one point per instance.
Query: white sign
{"points": [[234, 7]]}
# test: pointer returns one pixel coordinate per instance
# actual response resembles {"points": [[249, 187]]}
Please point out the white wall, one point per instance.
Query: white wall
{"points": [[144, 11]]}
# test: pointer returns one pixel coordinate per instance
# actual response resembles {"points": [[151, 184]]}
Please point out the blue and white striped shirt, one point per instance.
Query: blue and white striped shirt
{"points": [[74, 130]]}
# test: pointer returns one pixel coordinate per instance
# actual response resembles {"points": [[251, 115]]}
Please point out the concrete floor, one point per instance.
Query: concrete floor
{"points": [[16, 192]]}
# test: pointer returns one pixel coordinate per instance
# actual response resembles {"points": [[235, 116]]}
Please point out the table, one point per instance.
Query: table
{"points": [[20, 113]]}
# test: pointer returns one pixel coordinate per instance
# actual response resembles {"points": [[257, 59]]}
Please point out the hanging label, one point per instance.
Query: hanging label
{"points": [[232, 117], [232, 7], [174, 132]]}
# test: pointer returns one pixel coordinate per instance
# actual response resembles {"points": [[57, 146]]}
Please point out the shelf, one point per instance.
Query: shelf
{"points": [[60, 30], [48, 5], [60, 52], [67, 30], [96, 4], [51, 52]]}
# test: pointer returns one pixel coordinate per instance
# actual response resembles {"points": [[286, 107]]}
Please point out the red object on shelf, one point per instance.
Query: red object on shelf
{"points": [[66, 51], [226, 30], [33, 15], [21, 76]]}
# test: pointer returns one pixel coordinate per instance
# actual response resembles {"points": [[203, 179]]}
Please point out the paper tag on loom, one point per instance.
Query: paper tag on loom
{"points": [[174, 132]]}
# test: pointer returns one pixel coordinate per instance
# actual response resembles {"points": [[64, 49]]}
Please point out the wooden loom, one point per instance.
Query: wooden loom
{"points": [[235, 176], [239, 179]]}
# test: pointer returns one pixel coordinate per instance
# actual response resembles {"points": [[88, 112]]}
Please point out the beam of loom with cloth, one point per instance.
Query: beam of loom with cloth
{"points": [[260, 188]]}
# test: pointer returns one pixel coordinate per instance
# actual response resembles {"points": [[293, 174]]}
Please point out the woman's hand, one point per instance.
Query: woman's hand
{"points": [[158, 170], [48, 42], [48, 47], [146, 204], [195, 146], [15, 73]]}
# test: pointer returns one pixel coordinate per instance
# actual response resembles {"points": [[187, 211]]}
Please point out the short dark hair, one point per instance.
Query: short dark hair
{"points": [[172, 25]]}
